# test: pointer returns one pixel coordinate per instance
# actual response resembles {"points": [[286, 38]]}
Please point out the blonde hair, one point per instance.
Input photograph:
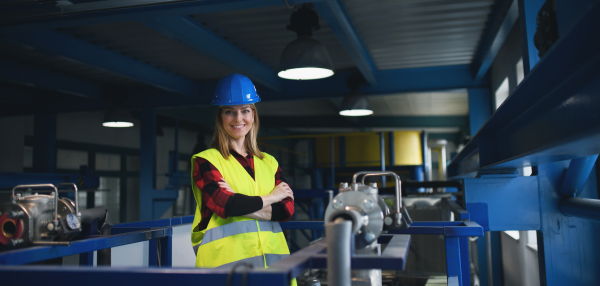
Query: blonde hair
{"points": [[221, 140]]}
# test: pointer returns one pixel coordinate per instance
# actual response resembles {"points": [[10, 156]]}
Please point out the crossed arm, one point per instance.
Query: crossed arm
{"points": [[279, 193]]}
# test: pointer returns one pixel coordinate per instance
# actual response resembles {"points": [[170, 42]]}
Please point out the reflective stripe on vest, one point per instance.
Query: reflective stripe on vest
{"points": [[257, 261], [237, 228]]}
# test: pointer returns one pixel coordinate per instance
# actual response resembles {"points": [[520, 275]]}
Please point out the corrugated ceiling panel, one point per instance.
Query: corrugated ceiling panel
{"points": [[420, 33], [59, 65], [261, 32], [144, 44], [452, 103]]}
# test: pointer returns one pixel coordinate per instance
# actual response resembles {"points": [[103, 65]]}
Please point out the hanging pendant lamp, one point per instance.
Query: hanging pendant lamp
{"points": [[305, 58], [118, 117], [356, 103]]}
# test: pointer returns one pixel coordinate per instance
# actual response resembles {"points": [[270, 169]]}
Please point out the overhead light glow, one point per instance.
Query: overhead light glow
{"points": [[305, 73], [118, 124], [356, 112]]}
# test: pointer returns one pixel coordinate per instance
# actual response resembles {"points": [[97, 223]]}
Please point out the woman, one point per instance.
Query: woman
{"points": [[240, 191]]}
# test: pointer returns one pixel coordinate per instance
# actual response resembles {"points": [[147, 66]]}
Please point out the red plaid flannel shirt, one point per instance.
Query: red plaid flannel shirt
{"points": [[225, 204]]}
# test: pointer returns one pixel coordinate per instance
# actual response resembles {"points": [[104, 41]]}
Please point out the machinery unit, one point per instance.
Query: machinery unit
{"points": [[368, 216], [42, 219]]}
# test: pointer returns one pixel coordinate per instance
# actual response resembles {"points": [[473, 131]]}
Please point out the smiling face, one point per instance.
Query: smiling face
{"points": [[237, 120]]}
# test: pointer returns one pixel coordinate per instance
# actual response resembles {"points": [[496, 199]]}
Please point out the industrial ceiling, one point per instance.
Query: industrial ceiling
{"points": [[418, 57]]}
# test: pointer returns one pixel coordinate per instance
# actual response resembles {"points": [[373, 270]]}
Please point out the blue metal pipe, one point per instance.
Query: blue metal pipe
{"points": [[577, 174], [581, 208]]}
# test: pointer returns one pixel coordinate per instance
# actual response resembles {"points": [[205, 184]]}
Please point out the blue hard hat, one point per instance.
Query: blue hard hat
{"points": [[235, 89]]}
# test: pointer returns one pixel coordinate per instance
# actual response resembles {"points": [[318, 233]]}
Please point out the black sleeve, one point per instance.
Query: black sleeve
{"points": [[240, 205], [278, 212]]}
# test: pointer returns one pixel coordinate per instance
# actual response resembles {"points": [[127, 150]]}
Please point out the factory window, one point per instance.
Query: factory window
{"points": [[532, 239], [501, 93], [513, 233], [520, 71], [108, 162], [70, 159]]}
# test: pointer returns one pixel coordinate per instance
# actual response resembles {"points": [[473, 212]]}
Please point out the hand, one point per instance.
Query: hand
{"points": [[225, 186], [281, 192]]}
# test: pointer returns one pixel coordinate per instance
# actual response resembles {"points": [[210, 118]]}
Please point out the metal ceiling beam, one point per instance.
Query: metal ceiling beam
{"points": [[32, 76], [552, 115], [38, 17], [189, 32], [426, 79], [501, 22], [391, 82], [364, 122], [334, 13], [65, 46]]}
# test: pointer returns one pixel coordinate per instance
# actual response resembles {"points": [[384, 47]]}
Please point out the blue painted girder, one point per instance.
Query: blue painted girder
{"points": [[65, 46], [32, 76], [552, 115], [497, 33], [112, 11], [335, 15], [189, 32]]}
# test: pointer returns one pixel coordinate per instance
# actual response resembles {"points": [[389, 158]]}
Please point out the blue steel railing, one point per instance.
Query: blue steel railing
{"points": [[393, 257]]}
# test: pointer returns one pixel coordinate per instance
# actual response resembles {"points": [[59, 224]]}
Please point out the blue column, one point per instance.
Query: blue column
{"points": [[480, 108], [147, 162], [342, 151], [496, 259], [424, 149], [44, 143], [482, 259], [528, 11], [382, 153], [332, 183], [453, 261], [392, 149]]}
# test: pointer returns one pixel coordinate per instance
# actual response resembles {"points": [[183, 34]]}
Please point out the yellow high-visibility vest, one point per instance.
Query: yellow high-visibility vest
{"points": [[234, 239]]}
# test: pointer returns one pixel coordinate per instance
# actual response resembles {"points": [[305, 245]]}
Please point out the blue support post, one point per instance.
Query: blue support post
{"points": [[424, 154], [453, 261], [166, 251], [496, 259], [44, 143], [480, 108], [147, 162], [528, 11], [332, 183], [392, 149], [465, 265], [86, 259], [382, 155], [342, 151], [577, 174], [482, 259], [152, 253]]}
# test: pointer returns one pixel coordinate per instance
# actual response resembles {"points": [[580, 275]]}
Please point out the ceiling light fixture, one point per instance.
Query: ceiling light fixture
{"points": [[305, 58], [356, 103], [118, 117]]}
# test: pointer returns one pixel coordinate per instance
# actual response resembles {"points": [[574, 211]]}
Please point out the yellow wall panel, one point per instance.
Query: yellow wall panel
{"points": [[407, 146]]}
